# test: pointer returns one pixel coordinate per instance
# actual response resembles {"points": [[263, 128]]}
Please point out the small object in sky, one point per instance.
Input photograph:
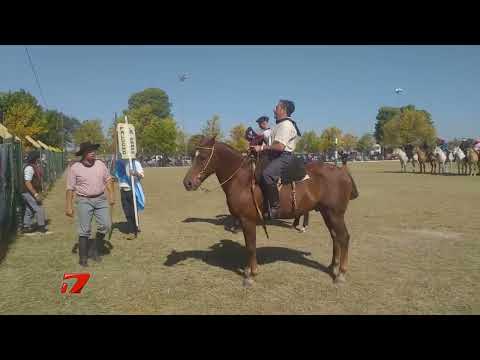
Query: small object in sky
{"points": [[183, 77], [398, 91]]}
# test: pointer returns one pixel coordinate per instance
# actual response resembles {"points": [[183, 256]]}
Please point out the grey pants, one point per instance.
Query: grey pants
{"points": [[32, 208], [274, 170], [87, 208]]}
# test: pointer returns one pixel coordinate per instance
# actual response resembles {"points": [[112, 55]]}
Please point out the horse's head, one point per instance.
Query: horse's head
{"points": [[203, 164]]}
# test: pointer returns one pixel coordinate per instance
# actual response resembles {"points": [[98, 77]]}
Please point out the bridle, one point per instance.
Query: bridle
{"points": [[200, 174], [210, 157]]}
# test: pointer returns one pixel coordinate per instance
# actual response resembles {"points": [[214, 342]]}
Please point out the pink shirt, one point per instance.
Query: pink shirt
{"points": [[88, 181]]}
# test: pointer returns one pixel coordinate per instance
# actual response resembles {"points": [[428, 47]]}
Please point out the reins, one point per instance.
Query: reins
{"points": [[230, 178]]}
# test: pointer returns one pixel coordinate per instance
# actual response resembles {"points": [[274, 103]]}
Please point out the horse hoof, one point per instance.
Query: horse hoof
{"points": [[248, 282], [340, 279]]}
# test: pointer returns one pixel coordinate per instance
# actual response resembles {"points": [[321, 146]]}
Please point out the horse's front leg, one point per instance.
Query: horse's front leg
{"points": [[250, 234]]}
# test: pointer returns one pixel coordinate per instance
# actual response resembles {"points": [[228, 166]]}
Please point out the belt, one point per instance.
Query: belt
{"points": [[91, 196]]}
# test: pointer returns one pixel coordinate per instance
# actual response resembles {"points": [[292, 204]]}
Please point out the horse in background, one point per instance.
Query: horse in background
{"points": [[422, 158], [440, 158], [403, 158], [450, 160], [461, 160], [472, 161]]}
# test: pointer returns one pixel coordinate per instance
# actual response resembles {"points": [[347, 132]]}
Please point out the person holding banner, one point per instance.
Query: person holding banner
{"points": [[88, 179], [123, 173], [127, 145]]}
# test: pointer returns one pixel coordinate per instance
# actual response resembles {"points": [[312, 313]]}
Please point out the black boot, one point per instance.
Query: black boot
{"points": [[83, 250], [93, 250], [273, 201]]}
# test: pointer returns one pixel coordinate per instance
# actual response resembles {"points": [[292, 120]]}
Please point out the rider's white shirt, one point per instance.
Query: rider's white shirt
{"points": [[286, 134]]}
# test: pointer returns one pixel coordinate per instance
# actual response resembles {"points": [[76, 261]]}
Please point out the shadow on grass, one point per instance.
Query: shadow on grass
{"points": [[228, 222], [122, 227], [230, 255], [418, 173]]}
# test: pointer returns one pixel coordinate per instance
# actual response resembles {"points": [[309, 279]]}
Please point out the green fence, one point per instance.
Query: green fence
{"points": [[53, 165], [11, 177]]}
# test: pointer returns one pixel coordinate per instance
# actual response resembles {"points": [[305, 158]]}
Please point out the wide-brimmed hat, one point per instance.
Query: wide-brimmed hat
{"points": [[32, 156], [86, 147]]}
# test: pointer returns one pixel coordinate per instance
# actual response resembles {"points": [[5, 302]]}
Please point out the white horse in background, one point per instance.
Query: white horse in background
{"points": [[403, 158], [450, 161], [461, 160], [441, 159], [415, 160]]}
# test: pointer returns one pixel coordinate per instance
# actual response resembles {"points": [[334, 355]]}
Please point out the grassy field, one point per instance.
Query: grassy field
{"points": [[415, 249]]}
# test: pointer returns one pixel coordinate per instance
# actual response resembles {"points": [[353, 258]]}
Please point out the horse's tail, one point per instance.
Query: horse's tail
{"points": [[354, 194]]}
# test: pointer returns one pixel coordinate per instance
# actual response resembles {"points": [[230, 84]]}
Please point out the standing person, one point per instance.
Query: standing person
{"points": [[88, 179], [284, 138], [31, 193], [123, 174]]}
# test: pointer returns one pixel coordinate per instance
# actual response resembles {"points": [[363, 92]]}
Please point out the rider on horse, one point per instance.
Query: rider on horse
{"points": [[265, 137], [283, 141]]}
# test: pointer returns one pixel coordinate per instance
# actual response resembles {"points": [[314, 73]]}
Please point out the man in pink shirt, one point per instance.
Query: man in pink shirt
{"points": [[88, 179]]}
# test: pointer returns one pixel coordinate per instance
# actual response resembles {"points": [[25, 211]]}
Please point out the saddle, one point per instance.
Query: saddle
{"points": [[293, 174]]}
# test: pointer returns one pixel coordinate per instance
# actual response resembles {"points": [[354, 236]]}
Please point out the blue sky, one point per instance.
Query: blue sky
{"points": [[339, 86]]}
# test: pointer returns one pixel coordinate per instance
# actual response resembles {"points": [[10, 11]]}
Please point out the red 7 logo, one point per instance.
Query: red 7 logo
{"points": [[82, 279]]}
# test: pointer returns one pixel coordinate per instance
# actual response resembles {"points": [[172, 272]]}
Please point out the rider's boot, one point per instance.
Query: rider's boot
{"points": [[273, 200]]}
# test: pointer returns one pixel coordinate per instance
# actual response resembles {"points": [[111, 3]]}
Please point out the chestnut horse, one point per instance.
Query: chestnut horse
{"points": [[328, 190], [422, 158]]}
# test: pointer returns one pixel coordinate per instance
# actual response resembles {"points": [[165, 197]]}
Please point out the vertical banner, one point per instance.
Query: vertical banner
{"points": [[128, 150], [127, 144]]}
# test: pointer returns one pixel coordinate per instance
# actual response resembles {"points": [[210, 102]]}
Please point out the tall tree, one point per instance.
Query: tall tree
{"points": [[365, 143], [18, 97], [140, 117], [90, 130], [160, 137], [327, 138], [309, 142], [212, 128], [409, 127], [181, 142], [385, 113], [24, 119], [237, 138], [58, 127], [349, 142], [155, 98]]}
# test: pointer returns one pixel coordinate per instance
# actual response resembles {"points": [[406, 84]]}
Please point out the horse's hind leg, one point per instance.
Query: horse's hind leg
{"points": [[306, 219], [335, 263], [343, 238], [296, 222]]}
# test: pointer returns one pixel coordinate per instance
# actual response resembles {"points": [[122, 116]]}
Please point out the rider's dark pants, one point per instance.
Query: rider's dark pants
{"points": [[273, 170]]}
